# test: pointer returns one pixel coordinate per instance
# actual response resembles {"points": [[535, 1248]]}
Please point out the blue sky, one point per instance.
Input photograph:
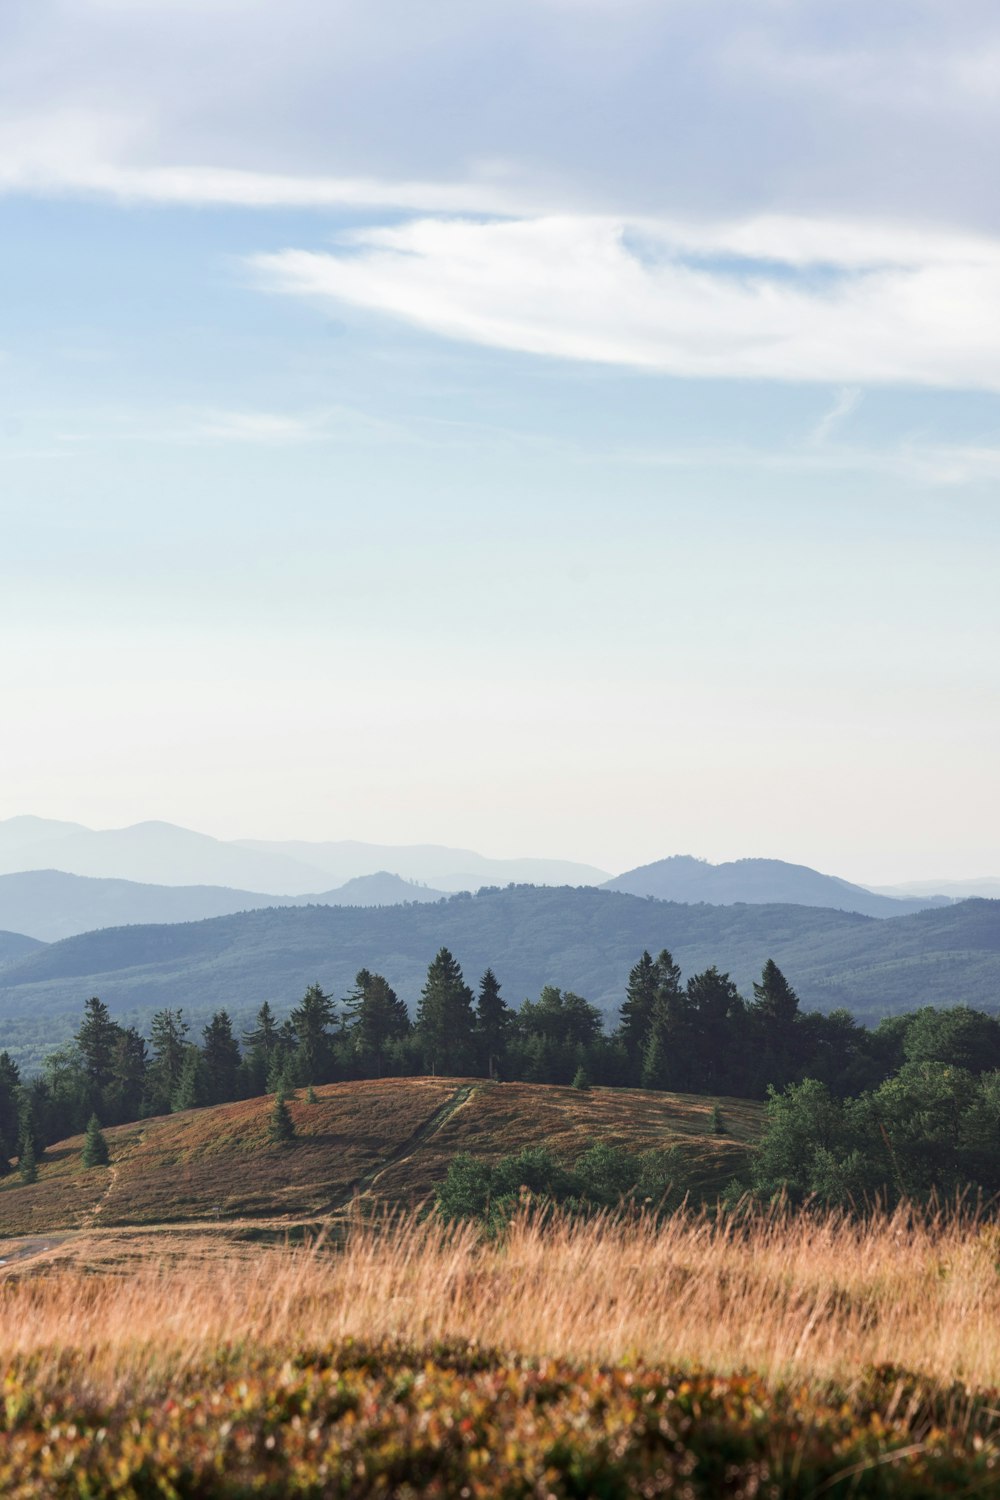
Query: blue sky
{"points": [[551, 427]]}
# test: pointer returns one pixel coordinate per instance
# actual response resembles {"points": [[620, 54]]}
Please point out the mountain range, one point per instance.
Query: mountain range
{"points": [[164, 854], [50, 905], [582, 939]]}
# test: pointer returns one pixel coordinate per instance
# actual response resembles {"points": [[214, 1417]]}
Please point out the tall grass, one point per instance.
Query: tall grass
{"points": [[806, 1296]]}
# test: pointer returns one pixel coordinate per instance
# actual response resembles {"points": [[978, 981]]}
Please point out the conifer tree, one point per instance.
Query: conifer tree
{"points": [[192, 1086], [493, 1021], [168, 1030], [27, 1165], [311, 1020], [95, 1147], [281, 1127], [378, 1017], [96, 1043], [637, 1010], [5, 1166], [221, 1054], [444, 1018]]}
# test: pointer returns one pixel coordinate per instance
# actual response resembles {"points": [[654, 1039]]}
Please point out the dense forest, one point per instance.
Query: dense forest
{"points": [[898, 1109]]}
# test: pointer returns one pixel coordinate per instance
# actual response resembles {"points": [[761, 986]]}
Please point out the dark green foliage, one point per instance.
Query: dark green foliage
{"points": [[376, 1017], [930, 1129], [311, 1096], [281, 1127], [581, 1079], [494, 1020], [221, 1055], [96, 1041], [95, 1147], [167, 1031], [637, 1012], [27, 1165], [311, 1021], [445, 1020], [604, 1177], [192, 1089]]}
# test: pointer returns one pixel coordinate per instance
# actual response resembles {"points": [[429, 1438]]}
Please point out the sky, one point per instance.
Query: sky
{"points": [[551, 427]]}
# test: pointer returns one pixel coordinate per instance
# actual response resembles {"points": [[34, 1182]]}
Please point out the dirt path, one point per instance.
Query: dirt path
{"points": [[113, 1170], [28, 1246], [408, 1148]]}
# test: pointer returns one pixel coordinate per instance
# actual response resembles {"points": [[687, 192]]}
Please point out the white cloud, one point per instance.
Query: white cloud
{"points": [[846, 402], [780, 299]]}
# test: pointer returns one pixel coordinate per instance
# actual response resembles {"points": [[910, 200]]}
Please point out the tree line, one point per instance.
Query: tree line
{"points": [[695, 1036]]}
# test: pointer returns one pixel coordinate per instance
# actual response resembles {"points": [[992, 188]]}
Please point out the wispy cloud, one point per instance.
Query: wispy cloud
{"points": [[776, 299], [847, 401]]}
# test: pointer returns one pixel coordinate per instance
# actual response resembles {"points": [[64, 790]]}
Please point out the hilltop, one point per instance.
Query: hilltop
{"points": [[51, 905], [390, 1141], [762, 882]]}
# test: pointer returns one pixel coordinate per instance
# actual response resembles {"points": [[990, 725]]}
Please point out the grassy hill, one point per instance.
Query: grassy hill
{"points": [[579, 938], [389, 1141]]}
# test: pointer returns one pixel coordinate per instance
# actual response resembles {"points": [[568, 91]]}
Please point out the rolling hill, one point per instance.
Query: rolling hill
{"points": [[50, 904], [761, 882], [390, 1141], [580, 939], [15, 945]]}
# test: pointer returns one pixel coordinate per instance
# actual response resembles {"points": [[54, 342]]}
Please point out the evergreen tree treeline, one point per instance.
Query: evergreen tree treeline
{"points": [[700, 1036]]}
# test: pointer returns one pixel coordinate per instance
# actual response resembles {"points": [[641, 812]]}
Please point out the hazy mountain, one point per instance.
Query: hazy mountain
{"points": [[445, 869], [759, 881], [955, 890], [380, 889], [152, 853], [15, 945], [163, 854], [582, 939], [49, 904]]}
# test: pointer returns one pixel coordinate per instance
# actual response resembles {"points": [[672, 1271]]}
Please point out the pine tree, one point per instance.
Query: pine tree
{"points": [[378, 1017], [95, 1147], [264, 1037], [27, 1165], [221, 1054], [444, 1018], [776, 1003], [167, 1031], [637, 1010], [310, 1022], [129, 1066], [5, 1166], [493, 1021], [96, 1043], [281, 1128], [192, 1086]]}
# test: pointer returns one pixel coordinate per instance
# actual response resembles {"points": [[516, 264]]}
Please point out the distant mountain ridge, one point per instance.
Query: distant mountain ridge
{"points": [[579, 938], [156, 853], [761, 882], [50, 905]]}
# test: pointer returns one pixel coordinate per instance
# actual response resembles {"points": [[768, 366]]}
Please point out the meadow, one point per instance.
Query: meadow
{"points": [[778, 1355]]}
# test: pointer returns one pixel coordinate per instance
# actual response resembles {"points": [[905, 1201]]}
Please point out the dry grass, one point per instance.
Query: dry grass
{"points": [[801, 1298], [392, 1138]]}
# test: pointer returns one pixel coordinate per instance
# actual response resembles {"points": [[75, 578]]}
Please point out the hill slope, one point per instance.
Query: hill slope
{"points": [[15, 945], [390, 1140], [761, 882], [582, 939], [50, 904]]}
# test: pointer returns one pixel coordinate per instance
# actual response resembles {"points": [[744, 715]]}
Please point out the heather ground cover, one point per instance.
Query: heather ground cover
{"points": [[799, 1355]]}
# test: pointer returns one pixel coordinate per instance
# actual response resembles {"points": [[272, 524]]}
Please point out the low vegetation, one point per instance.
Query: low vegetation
{"points": [[585, 1357]]}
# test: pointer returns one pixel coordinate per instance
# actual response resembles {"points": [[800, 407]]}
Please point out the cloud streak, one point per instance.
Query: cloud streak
{"points": [[775, 299]]}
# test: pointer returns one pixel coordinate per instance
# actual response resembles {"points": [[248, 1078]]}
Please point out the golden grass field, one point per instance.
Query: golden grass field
{"points": [[320, 1336]]}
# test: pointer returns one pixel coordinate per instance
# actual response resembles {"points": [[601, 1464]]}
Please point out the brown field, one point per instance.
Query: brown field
{"points": [[814, 1299], [389, 1141]]}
